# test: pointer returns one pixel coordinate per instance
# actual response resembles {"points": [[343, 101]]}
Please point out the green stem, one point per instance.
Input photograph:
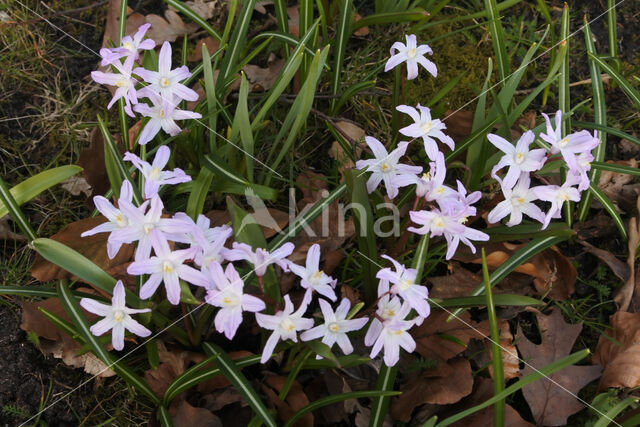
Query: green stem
{"points": [[16, 213]]}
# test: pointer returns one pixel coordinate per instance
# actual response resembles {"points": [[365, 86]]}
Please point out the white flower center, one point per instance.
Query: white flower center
{"points": [[165, 82], [438, 222], [405, 284], [397, 332], [287, 325], [440, 190], [411, 53], [563, 143], [155, 174], [519, 158], [128, 46], [334, 327], [426, 127], [563, 196], [517, 200], [387, 313], [209, 259], [118, 315], [167, 267], [123, 82], [384, 167], [161, 113], [230, 300], [426, 176], [147, 227]]}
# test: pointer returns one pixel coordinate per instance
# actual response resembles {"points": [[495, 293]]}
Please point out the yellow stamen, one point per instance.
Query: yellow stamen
{"points": [[384, 167], [411, 53], [155, 174], [405, 284], [388, 313], [164, 82], [287, 325], [426, 127], [167, 267], [563, 143], [519, 158], [118, 315], [334, 327]]}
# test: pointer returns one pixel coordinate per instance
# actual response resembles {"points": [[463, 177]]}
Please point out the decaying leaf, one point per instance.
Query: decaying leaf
{"points": [[483, 390], [77, 185], [440, 340], [93, 165], [183, 414], [619, 187], [55, 342], [329, 383], [93, 247], [351, 132], [459, 124], [510, 360], [553, 273], [261, 79], [206, 9], [445, 384], [168, 28], [619, 268], [211, 44], [551, 404], [218, 399], [630, 291], [172, 364], [296, 399], [621, 362]]}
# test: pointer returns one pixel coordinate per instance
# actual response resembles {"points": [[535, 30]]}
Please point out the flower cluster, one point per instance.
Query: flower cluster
{"points": [[519, 197], [163, 88]]}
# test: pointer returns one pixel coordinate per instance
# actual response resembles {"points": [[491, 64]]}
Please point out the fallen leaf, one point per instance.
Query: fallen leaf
{"points": [[168, 28], [352, 133], [619, 268], [483, 390], [206, 9], [183, 414], [172, 364], [332, 382], [619, 187], [93, 164], [218, 399], [553, 273], [552, 399], [55, 342], [445, 384], [296, 399], [134, 20], [133, 133], [262, 79], [510, 360], [92, 247], [459, 124], [621, 362], [211, 44], [440, 340], [630, 291], [77, 185], [360, 32], [219, 382]]}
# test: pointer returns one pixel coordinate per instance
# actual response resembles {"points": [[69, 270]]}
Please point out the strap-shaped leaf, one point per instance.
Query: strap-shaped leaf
{"points": [[384, 388], [232, 373]]}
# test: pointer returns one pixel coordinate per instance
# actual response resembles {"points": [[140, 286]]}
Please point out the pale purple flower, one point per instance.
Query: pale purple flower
{"points": [[460, 204], [166, 81], [413, 55], [154, 174], [285, 325], [162, 114], [117, 219], [129, 47], [386, 166], [583, 162], [260, 258], [388, 307], [519, 158], [117, 317], [228, 294], [426, 128], [558, 195], [431, 184], [403, 280], [123, 81], [141, 224], [570, 145], [166, 266], [517, 201], [393, 336], [314, 279], [335, 326]]}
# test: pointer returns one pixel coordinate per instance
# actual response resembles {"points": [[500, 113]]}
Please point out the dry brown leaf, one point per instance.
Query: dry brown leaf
{"points": [[93, 165], [431, 344], [553, 273], [218, 399], [510, 360], [183, 414], [134, 20], [459, 124], [55, 342], [619, 187], [133, 133], [77, 185], [360, 32], [443, 385], [336, 152], [211, 44], [621, 362], [483, 390], [93, 247], [625, 295], [168, 28], [219, 382], [550, 404], [262, 79], [172, 364], [6, 233], [206, 9], [296, 399]]}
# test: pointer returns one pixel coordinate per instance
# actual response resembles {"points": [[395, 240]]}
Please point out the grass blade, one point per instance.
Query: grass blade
{"points": [[232, 373], [496, 351], [340, 46], [613, 167], [236, 46], [544, 372], [497, 38], [384, 385], [334, 399], [624, 84], [9, 204], [478, 301], [564, 98], [417, 14], [241, 128], [199, 190], [599, 117]]}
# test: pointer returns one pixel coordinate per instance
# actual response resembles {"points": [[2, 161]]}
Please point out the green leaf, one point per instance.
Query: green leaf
{"points": [[416, 14], [497, 38], [610, 208], [613, 167], [384, 386], [10, 204], [340, 46], [544, 372], [624, 84], [335, 399], [480, 301], [224, 172], [31, 187], [241, 128], [199, 373], [232, 373], [73, 310], [198, 194], [235, 48], [348, 361], [323, 350], [304, 355]]}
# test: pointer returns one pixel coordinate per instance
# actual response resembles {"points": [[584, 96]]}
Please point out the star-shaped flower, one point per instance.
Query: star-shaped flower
{"points": [[517, 201], [314, 279], [260, 258], [413, 55], [519, 158], [426, 128], [153, 173], [403, 280]]}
